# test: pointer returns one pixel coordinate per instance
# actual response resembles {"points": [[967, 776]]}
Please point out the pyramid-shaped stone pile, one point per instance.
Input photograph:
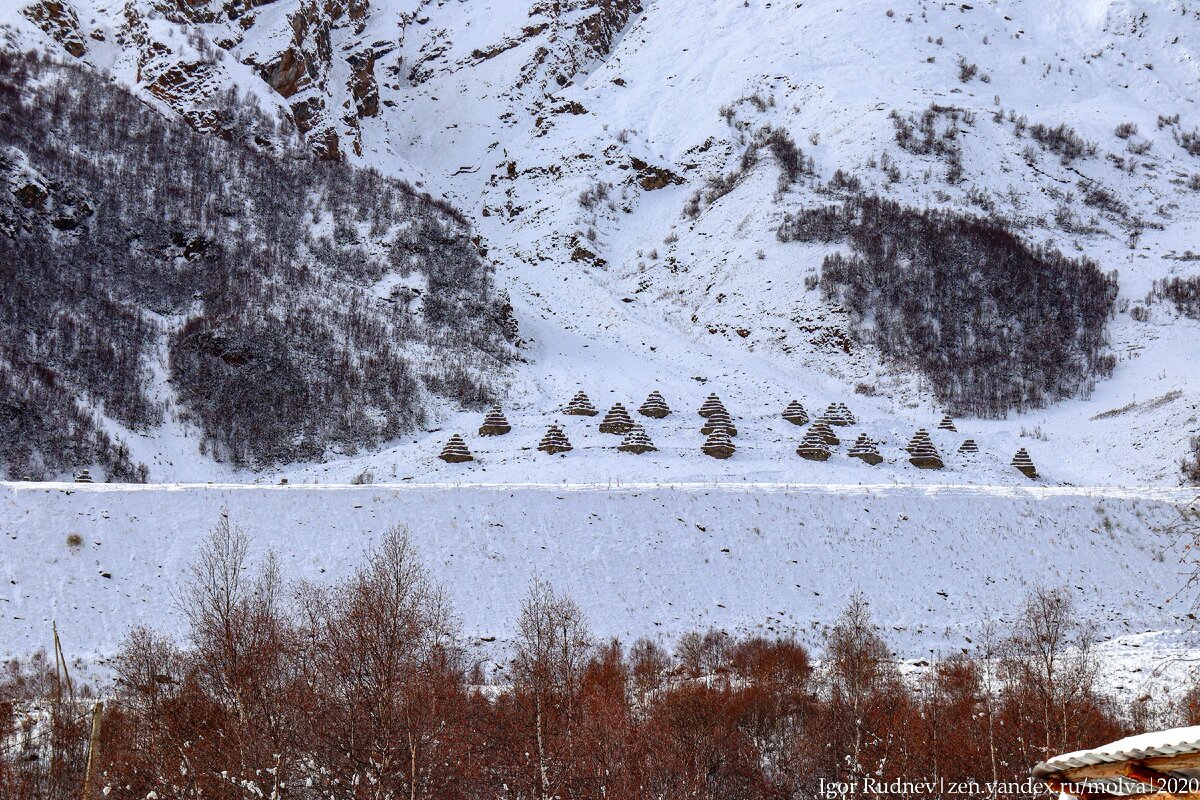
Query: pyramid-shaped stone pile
{"points": [[795, 413], [580, 406], [968, 446], [838, 414], [1024, 464], [455, 451], [494, 423], [813, 446], [84, 477], [655, 406], [865, 449], [947, 424], [718, 445], [617, 420], [821, 428], [718, 420], [636, 441], [712, 403], [555, 441], [922, 453]]}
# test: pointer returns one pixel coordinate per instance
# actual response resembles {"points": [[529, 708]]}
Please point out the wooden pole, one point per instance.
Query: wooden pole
{"points": [[93, 748], [60, 660]]}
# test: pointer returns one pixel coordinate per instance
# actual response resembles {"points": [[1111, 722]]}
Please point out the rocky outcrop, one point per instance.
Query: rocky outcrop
{"points": [[285, 73], [650, 177], [583, 31], [59, 21], [363, 87]]}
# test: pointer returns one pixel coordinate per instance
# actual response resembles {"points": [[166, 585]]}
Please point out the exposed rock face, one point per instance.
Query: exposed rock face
{"points": [[586, 31], [59, 20], [363, 88], [327, 59], [285, 73], [651, 177]]}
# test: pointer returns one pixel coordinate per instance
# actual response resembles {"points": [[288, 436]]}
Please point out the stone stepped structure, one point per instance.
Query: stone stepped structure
{"points": [[84, 477], [947, 424], [455, 451], [555, 441], [617, 420], [718, 420], [968, 446], [838, 414], [866, 450], [712, 403], [821, 428], [1024, 464], [795, 413], [718, 445], [494, 423], [655, 406], [922, 453], [580, 406], [636, 441], [813, 446]]}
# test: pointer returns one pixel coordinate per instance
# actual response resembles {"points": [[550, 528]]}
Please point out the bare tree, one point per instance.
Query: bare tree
{"points": [[1050, 666], [242, 641], [551, 651], [386, 662]]}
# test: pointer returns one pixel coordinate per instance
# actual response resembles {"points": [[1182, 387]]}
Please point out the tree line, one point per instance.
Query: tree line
{"points": [[367, 688]]}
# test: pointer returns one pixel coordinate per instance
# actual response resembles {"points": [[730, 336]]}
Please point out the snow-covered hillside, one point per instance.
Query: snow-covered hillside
{"points": [[576, 139], [645, 560]]}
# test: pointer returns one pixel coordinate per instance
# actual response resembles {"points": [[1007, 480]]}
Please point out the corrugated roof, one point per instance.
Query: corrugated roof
{"points": [[1173, 742], [1157, 744]]}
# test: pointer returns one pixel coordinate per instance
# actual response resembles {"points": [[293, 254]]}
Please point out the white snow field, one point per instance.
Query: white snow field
{"points": [[470, 109], [642, 560], [669, 541]]}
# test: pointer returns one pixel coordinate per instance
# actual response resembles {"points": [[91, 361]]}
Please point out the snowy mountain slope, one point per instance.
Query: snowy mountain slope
{"points": [[516, 113], [641, 560]]}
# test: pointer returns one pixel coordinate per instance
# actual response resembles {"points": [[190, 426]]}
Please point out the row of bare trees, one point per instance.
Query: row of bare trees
{"points": [[365, 689]]}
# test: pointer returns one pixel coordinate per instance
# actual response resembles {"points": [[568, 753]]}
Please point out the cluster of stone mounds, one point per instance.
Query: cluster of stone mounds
{"points": [[719, 429], [838, 414]]}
